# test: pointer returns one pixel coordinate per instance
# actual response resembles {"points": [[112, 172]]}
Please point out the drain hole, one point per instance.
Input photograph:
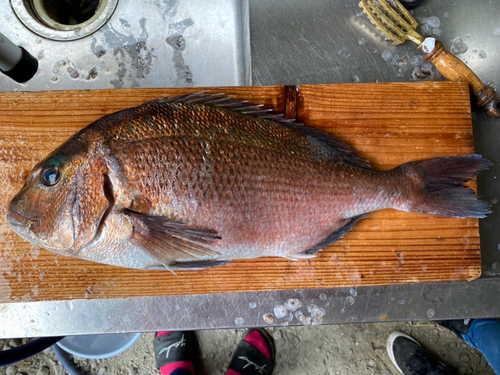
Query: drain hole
{"points": [[70, 12], [64, 19]]}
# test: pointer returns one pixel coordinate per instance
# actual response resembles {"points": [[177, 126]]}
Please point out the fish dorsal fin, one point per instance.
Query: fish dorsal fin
{"points": [[336, 146], [168, 240]]}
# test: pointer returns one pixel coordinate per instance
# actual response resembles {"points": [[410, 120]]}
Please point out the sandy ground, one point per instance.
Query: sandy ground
{"points": [[319, 350]]}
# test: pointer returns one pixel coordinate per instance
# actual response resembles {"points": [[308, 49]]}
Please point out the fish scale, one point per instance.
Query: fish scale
{"points": [[196, 181]]}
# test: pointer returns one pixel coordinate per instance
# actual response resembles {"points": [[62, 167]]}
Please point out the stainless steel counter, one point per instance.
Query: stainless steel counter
{"points": [[292, 42]]}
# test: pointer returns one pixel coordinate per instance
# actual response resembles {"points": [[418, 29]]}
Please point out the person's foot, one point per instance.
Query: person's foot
{"points": [[255, 354], [458, 326], [411, 358], [174, 352]]}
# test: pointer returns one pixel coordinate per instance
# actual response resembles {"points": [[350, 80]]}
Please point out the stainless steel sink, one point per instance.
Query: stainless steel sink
{"points": [[144, 44]]}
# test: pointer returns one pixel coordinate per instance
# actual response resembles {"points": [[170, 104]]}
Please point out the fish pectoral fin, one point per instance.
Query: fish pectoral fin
{"points": [[197, 265], [335, 236], [168, 240]]}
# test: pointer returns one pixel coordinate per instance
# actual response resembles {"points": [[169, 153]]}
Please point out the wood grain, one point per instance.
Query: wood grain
{"points": [[388, 123]]}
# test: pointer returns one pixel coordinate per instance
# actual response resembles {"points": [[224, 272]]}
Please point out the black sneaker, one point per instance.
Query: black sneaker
{"points": [[411, 358], [459, 326]]}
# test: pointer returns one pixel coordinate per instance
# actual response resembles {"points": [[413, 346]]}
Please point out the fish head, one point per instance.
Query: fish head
{"points": [[61, 203]]}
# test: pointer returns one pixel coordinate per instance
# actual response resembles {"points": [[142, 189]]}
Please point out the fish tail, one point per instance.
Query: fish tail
{"points": [[438, 186]]}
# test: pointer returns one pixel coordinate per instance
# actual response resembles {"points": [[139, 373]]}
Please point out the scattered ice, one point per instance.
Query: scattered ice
{"points": [[459, 46], [416, 60], [402, 301], [292, 304], [252, 305], [423, 71], [361, 41], [387, 55], [353, 292], [318, 313], [350, 300], [322, 296], [437, 31], [239, 321], [268, 318], [446, 14], [483, 54], [433, 22], [299, 314], [306, 320], [311, 307], [495, 266], [498, 246], [359, 14], [493, 201], [69, 305], [279, 311], [430, 313], [496, 32], [355, 78]]}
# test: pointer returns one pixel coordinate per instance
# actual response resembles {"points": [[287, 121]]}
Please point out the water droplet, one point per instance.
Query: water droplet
{"points": [[402, 301], [292, 304], [279, 311], [268, 318], [430, 313], [252, 305], [496, 32], [495, 266], [361, 41], [353, 292], [239, 321], [322, 296], [493, 201], [69, 305], [350, 300], [483, 54]]}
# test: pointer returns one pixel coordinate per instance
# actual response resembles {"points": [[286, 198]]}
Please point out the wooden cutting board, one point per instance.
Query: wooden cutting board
{"points": [[389, 123]]}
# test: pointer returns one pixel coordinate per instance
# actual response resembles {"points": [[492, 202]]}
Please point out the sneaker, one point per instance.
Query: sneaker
{"points": [[459, 326], [411, 358]]}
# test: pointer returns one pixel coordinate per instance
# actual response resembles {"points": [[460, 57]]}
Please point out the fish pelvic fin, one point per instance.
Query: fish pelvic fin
{"points": [[168, 240], [438, 186], [335, 236]]}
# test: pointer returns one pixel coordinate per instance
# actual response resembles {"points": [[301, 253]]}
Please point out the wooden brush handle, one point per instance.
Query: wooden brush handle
{"points": [[455, 70]]}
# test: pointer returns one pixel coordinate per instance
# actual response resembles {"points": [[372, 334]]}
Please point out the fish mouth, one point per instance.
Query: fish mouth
{"points": [[21, 225], [16, 219]]}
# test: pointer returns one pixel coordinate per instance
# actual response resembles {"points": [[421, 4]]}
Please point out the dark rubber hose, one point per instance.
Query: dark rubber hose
{"points": [[8, 357]]}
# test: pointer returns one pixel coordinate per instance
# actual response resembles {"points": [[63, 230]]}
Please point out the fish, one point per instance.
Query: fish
{"points": [[195, 181]]}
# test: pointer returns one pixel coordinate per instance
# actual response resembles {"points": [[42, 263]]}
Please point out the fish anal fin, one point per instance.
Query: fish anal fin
{"points": [[197, 265], [168, 240], [335, 236]]}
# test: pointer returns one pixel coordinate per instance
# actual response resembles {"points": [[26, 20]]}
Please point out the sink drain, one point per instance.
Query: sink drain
{"points": [[64, 19]]}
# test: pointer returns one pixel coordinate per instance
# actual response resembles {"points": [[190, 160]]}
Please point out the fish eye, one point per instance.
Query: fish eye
{"points": [[50, 176]]}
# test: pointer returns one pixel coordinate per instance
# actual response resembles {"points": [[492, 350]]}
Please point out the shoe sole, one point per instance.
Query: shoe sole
{"points": [[389, 346]]}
